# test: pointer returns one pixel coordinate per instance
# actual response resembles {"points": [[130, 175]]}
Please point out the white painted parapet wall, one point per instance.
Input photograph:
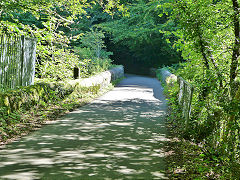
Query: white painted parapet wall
{"points": [[103, 79]]}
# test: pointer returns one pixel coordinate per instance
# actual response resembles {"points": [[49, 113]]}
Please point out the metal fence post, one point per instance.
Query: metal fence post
{"points": [[1, 61], [22, 60], [17, 61]]}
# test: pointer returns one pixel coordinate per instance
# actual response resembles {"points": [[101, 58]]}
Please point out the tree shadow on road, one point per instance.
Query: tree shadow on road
{"points": [[105, 139]]}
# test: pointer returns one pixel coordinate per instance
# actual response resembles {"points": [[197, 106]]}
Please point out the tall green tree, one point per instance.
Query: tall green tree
{"points": [[51, 9], [137, 35], [208, 36], [49, 22]]}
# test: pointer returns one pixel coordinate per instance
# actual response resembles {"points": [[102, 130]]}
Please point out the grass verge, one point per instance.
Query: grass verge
{"points": [[22, 121]]}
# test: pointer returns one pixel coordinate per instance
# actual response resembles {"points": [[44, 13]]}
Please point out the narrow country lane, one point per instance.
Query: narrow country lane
{"points": [[118, 136]]}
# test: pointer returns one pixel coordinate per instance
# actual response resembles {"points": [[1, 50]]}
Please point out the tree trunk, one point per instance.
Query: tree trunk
{"points": [[235, 52]]}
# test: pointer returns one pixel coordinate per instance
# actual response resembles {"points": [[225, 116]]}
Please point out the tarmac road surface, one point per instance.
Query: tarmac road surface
{"points": [[120, 135]]}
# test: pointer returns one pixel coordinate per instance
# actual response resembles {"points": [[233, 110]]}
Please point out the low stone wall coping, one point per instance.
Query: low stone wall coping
{"points": [[167, 76], [104, 78]]}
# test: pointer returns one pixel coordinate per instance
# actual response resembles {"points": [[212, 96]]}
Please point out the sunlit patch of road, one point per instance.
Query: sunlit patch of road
{"points": [[118, 136]]}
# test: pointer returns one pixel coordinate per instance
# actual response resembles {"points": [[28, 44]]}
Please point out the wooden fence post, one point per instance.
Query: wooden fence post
{"points": [[189, 106], [185, 99]]}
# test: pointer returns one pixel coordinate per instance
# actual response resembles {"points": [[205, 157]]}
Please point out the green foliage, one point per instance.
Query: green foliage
{"points": [[56, 64], [57, 25], [188, 161], [51, 10], [208, 37], [56, 60], [136, 38], [196, 152], [92, 55], [94, 41]]}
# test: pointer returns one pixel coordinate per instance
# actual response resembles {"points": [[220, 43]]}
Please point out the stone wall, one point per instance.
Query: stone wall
{"points": [[103, 79], [166, 76], [185, 91], [42, 91]]}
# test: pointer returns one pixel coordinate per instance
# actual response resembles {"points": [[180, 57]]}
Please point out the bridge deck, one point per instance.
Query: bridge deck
{"points": [[118, 136]]}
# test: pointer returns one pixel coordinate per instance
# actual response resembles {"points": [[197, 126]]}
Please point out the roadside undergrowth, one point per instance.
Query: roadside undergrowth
{"points": [[186, 157], [23, 121]]}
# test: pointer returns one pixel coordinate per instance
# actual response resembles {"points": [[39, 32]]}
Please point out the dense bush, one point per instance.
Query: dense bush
{"points": [[57, 63], [208, 38], [209, 118]]}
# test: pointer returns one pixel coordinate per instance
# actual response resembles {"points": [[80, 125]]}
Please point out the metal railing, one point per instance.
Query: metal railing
{"points": [[17, 61]]}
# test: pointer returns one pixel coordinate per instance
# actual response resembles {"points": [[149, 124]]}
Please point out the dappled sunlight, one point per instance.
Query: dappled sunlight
{"points": [[125, 170], [22, 175], [109, 138], [129, 93], [159, 175]]}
